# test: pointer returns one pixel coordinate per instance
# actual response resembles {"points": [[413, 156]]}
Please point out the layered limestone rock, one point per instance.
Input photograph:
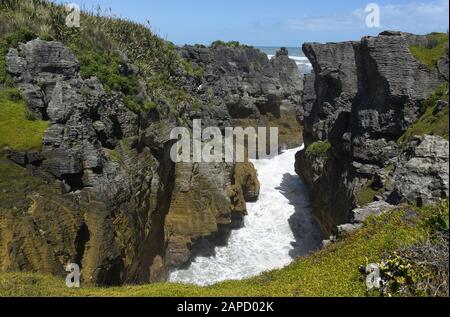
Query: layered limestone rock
{"points": [[206, 200], [420, 174], [361, 98], [113, 189], [242, 87], [103, 191]]}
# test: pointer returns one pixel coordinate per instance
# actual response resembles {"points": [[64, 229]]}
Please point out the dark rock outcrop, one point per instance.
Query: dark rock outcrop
{"points": [[241, 86], [361, 99]]}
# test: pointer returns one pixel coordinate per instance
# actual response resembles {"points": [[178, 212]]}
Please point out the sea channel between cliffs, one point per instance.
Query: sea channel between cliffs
{"points": [[279, 227]]}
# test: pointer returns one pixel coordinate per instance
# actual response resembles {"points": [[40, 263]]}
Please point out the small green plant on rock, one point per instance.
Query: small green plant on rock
{"points": [[318, 149]]}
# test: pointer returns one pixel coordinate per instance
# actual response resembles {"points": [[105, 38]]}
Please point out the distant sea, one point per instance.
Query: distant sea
{"points": [[295, 53]]}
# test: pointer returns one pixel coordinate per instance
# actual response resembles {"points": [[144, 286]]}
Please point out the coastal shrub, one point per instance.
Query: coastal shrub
{"points": [[438, 220], [429, 55], [18, 129], [420, 269], [193, 70], [218, 43], [106, 67], [432, 122], [318, 149], [232, 44]]}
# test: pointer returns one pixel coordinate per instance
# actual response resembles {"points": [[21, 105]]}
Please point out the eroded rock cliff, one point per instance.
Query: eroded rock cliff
{"points": [[102, 191], [360, 100], [242, 86]]}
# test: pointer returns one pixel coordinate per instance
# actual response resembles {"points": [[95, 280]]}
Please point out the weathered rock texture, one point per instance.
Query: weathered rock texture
{"points": [[243, 87], [103, 191], [361, 98]]}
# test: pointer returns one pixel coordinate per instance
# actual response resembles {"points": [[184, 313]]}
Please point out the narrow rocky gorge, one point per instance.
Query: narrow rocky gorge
{"points": [[100, 189], [105, 192]]}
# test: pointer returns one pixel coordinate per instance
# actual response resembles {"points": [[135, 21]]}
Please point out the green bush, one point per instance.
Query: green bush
{"points": [[193, 70], [150, 106], [318, 149]]}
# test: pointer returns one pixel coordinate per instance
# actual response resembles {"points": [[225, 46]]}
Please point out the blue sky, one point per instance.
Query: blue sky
{"points": [[275, 22]]}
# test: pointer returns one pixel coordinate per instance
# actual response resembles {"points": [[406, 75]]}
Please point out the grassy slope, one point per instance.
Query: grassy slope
{"points": [[17, 130], [429, 123], [332, 271], [433, 52]]}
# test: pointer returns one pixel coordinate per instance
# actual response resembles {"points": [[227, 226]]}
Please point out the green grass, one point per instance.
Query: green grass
{"points": [[429, 123], [17, 131], [332, 271], [368, 193], [318, 149], [433, 52]]}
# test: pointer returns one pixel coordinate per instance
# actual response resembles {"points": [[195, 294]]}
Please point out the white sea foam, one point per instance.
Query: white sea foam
{"points": [[298, 59], [267, 241], [302, 62]]}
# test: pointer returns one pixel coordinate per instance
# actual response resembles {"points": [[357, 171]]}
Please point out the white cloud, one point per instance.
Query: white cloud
{"points": [[419, 17]]}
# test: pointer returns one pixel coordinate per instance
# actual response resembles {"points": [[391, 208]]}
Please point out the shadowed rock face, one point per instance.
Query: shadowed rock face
{"points": [[103, 191], [361, 98]]}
